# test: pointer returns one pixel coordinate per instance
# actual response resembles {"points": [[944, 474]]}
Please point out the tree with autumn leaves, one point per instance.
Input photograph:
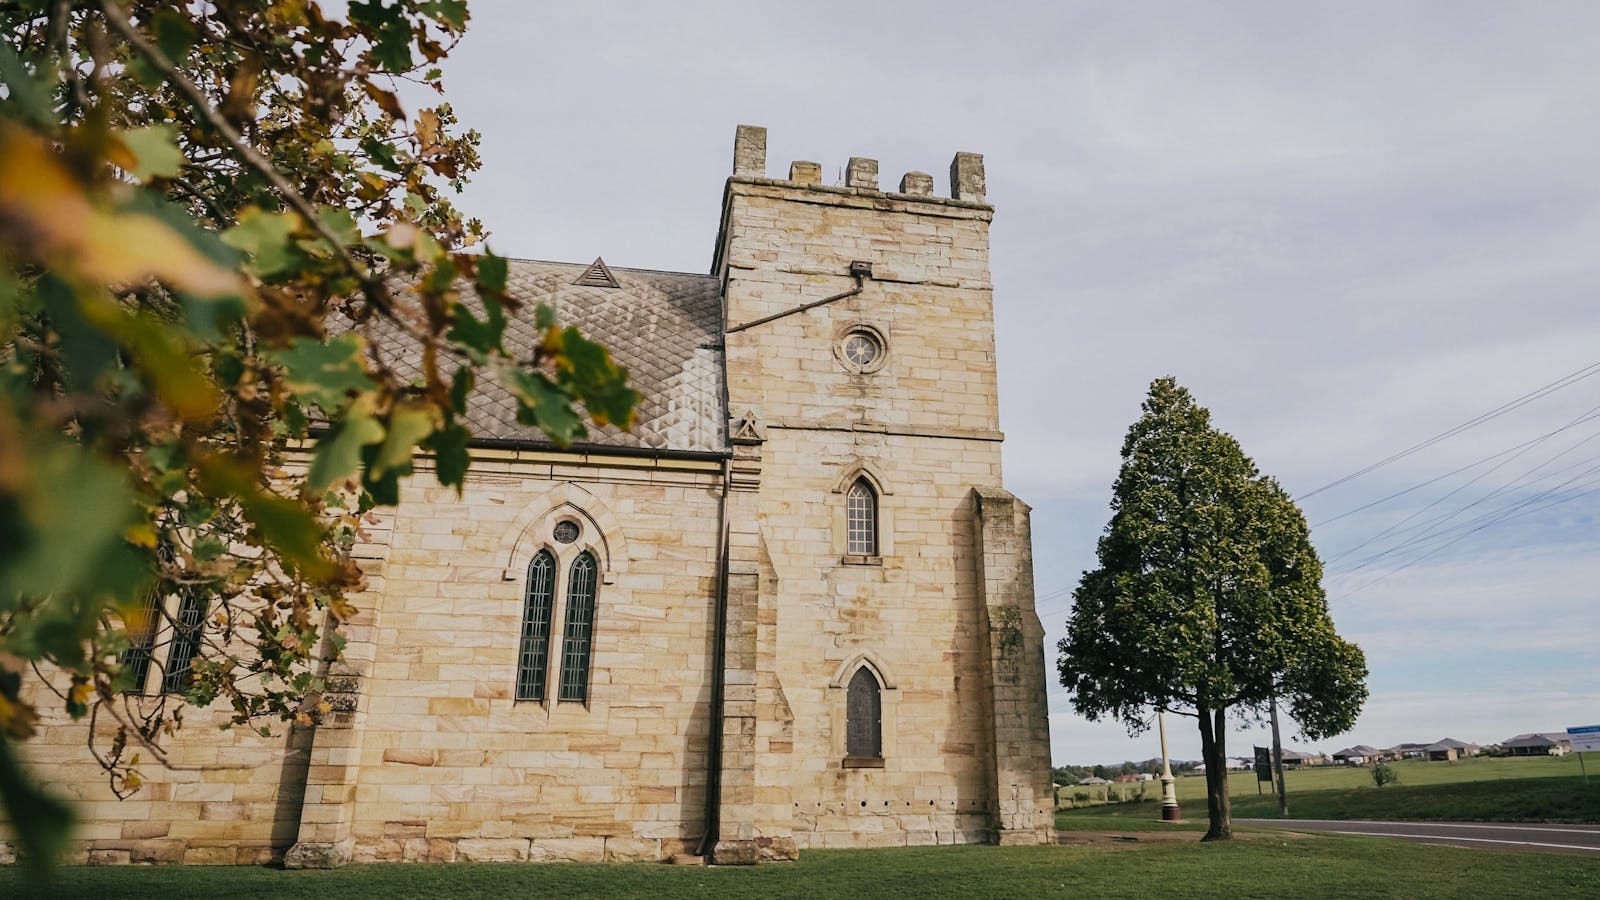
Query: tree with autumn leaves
{"points": [[209, 215], [1207, 599]]}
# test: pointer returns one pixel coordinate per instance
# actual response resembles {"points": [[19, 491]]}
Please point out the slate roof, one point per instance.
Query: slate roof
{"points": [[1537, 739], [664, 327]]}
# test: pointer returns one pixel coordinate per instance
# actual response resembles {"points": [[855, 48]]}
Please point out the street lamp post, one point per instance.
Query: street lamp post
{"points": [[1169, 793]]}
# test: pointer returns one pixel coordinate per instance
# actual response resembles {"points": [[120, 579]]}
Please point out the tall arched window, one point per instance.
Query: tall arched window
{"points": [[864, 717], [539, 601], [185, 643], [861, 519], [141, 643], [575, 650]]}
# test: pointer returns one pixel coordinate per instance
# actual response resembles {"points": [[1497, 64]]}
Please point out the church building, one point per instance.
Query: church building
{"points": [[792, 608]]}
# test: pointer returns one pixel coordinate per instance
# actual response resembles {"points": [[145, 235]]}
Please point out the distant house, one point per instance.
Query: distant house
{"points": [[1359, 755], [1450, 750], [1092, 780], [1125, 779], [1146, 776], [1294, 759], [1239, 764], [1407, 751], [1548, 743]]}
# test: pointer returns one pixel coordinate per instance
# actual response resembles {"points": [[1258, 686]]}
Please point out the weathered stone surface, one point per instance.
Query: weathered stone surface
{"points": [[735, 853], [319, 855], [492, 849], [861, 172], [917, 183], [805, 172]]}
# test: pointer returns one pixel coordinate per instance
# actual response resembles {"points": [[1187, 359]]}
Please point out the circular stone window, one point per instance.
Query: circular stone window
{"points": [[565, 532], [861, 349]]}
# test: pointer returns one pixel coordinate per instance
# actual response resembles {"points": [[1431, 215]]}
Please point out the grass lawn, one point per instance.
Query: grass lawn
{"points": [[1320, 866], [1546, 789]]}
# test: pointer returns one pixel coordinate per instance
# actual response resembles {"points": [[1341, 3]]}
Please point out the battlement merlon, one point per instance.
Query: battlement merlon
{"points": [[967, 186]]}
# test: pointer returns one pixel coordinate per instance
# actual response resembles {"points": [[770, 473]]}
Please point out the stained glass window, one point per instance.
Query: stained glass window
{"points": [[534, 656], [864, 717], [575, 644]]}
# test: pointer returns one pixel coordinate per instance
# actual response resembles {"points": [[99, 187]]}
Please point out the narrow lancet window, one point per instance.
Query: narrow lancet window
{"points": [[185, 643], [864, 717], [534, 657], [576, 640], [861, 519], [141, 644]]}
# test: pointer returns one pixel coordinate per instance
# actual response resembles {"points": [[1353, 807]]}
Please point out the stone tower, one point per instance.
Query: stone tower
{"points": [[859, 347]]}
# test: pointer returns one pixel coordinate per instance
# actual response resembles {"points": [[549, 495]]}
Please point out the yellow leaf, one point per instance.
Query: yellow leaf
{"points": [[46, 213], [141, 534]]}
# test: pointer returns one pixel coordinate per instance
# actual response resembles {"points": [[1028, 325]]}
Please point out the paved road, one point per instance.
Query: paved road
{"points": [[1583, 839]]}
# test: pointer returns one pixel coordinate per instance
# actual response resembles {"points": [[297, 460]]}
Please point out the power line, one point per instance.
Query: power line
{"points": [[1592, 414], [1520, 450], [1525, 399]]}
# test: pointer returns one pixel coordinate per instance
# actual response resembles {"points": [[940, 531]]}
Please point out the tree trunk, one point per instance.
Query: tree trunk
{"points": [[1214, 753]]}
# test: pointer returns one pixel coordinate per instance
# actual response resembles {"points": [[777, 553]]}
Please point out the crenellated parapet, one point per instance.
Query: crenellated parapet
{"points": [[860, 173]]}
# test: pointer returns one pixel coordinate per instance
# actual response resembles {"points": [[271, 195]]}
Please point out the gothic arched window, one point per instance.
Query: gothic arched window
{"points": [[861, 519], [538, 604], [864, 717], [575, 642], [185, 643]]}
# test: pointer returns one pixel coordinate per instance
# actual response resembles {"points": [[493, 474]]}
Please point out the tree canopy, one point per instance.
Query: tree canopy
{"points": [[1208, 596], [216, 222]]}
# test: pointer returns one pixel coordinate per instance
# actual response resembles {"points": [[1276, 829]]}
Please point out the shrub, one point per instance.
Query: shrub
{"points": [[1383, 774]]}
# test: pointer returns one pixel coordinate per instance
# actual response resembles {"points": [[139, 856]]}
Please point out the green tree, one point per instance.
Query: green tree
{"points": [[1207, 598], [218, 222]]}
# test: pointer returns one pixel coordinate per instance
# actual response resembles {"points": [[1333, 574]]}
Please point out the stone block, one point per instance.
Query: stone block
{"points": [[861, 172], [918, 184], [109, 858], [492, 849], [210, 856], [805, 172], [750, 150], [966, 177], [575, 849]]}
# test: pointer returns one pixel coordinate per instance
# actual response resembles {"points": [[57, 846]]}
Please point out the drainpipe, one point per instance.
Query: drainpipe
{"points": [[708, 839]]}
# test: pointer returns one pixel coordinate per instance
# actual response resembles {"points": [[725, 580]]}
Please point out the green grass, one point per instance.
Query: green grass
{"points": [[1322, 866], [1532, 789]]}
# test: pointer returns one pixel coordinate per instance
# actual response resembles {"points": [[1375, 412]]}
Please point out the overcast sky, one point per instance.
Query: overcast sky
{"points": [[1346, 227]]}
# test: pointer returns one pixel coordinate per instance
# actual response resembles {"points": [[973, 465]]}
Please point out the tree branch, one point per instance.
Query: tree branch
{"points": [[372, 287]]}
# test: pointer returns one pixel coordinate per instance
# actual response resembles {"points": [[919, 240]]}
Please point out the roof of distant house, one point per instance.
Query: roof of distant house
{"points": [[1537, 739]]}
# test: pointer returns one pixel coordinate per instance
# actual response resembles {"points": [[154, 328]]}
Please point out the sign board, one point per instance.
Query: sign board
{"points": [[1584, 738], [1264, 764]]}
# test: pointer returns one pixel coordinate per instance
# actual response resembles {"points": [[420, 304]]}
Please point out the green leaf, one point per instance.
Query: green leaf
{"points": [[461, 388], [543, 405], [339, 451], [492, 273], [409, 424], [324, 374], [389, 31], [266, 237], [156, 149], [601, 384], [175, 34], [290, 529], [453, 12], [478, 337], [451, 459], [21, 88]]}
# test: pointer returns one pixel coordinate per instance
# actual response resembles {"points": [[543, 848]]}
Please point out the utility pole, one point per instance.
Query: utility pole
{"points": [[1169, 792], [1277, 762]]}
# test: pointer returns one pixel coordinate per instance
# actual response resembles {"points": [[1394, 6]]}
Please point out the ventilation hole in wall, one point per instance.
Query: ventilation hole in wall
{"points": [[885, 803], [863, 804]]}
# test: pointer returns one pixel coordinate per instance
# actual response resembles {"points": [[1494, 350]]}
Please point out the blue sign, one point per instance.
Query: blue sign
{"points": [[1584, 738]]}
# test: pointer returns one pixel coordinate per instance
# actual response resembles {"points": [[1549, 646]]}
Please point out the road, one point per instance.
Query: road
{"points": [[1583, 839]]}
